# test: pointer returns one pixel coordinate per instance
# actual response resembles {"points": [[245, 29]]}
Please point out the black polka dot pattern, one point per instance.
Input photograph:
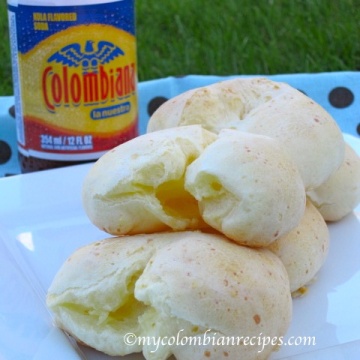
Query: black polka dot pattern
{"points": [[155, 103], [12, 111], [5, 152], [302, 91], [341, 97]]}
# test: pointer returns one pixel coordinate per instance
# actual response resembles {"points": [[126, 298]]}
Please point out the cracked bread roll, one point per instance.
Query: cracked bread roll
{"points": [[340, 194], [261, 106], [247, 188], [177, 285], [137, 187], [304, 249]]}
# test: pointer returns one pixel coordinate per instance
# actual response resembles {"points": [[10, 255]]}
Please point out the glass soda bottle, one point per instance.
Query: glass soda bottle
{"points": [[75, 79]]}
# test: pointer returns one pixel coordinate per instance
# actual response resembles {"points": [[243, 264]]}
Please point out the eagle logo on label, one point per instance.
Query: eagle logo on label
{"points": [[89, 59]]}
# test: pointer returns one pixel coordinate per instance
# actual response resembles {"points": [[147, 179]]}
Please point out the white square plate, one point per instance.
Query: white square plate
{"points": [[42, 222]]}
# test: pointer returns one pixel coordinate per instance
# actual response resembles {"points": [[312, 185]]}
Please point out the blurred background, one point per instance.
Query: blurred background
{"points": [[227, 37]]}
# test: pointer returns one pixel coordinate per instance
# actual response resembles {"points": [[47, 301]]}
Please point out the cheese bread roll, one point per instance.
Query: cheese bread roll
{"points": [[138, 186], [200, 295], [340, 194], [247, 188], [261, 106], [304, 249]]}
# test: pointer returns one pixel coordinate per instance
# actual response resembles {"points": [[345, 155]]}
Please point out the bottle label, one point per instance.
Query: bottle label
{"points": [[75, 78]]}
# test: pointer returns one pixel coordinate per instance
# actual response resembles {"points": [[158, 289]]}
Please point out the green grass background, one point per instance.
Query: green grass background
{"points": [[223, 37]]}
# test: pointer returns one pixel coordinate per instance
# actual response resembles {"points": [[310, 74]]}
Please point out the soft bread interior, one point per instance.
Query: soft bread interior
{"points": [[175, 201], [138, 187], [92, 295]]}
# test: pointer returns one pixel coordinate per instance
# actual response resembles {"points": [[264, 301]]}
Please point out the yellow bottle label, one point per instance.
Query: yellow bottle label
{"points": [[77, 80]]}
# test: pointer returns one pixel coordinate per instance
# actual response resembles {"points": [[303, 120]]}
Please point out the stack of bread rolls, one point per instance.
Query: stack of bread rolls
{"points": [[218, 215]]}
